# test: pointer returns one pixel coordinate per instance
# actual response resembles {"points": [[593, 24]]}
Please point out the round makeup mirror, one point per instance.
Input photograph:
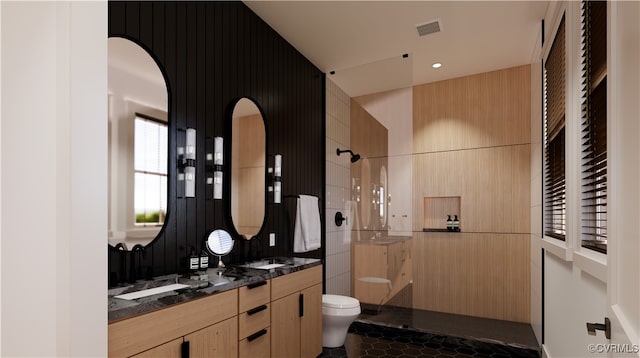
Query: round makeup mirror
{"points": [[219, 243]]}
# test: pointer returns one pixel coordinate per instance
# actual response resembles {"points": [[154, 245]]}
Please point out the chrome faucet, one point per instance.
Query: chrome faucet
{"points": [[132, 267]]}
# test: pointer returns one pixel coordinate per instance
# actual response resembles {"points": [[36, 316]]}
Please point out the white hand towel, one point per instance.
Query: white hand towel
{"points": [[307, 232]]}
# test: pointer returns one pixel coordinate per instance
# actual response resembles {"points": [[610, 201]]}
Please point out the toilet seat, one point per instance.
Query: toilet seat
{"points": [[339, 302]]}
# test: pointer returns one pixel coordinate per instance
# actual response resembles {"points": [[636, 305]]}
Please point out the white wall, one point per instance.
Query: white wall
{"points": [[338, 190], [579, 285], [623, 132], [54, 179], [572, 296]]}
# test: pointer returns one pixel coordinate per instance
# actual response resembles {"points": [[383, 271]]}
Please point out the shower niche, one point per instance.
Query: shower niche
{"points": [[437, 210]]}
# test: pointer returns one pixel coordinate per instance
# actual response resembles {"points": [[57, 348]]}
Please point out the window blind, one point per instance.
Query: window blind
{"points": [[554, 139], [594, 125]]}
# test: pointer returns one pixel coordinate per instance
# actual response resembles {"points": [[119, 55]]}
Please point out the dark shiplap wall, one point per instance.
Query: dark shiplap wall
{"points": [[213, 53]]}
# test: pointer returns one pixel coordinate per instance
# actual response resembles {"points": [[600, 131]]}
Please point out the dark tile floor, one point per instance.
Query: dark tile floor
{"points": [[404, 332], [473, 328], [370, 340]]}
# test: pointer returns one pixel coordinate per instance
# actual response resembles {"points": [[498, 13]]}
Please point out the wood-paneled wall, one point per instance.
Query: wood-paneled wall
{"points": [[482, 275], [484, 110], [369, 138], [472, 140], [211, 54], [492, 183]]}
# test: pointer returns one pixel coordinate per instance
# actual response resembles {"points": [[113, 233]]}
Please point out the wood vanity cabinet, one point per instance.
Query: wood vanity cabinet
{"points": [[254, 320], [296, 314], [209, 326], [391, 261], [281, 317]]}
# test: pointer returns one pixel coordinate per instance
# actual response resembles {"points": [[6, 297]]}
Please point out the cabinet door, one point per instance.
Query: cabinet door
{"points": [[168, 350], [285, 326], [311, 322], [218, 340], [370, 261], [407, 263], [257, 345], [394, 262]]}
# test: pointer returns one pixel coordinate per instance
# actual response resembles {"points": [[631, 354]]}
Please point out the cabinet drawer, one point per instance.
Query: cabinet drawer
{"points": [[254, 295], [294, 282], [256, 346], [254, 320]]}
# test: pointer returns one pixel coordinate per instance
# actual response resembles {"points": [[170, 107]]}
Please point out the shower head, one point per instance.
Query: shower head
{"points": [[354, 157]]}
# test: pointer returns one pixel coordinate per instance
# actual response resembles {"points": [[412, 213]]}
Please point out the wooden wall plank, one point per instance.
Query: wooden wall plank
{"points": [[483, 110], [369, 138], [472, 140], [483, 275], [492, 183]]}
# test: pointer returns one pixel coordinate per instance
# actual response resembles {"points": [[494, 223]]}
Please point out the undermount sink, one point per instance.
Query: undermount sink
{"points": [[266, 264], [277, 262], [151, 291], [269, 266], [381, 242]]}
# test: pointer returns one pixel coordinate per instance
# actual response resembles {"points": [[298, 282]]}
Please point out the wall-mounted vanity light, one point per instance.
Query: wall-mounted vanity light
{"points": [[189, 163], [218, 161], [277, 179], [215, 160]]}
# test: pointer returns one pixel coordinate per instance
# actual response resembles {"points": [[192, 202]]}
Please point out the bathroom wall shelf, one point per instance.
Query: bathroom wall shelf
{"points": [[436, 209], [439, 230]]}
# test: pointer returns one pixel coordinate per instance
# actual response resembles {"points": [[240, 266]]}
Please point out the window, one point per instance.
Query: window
{"points": [[150, 171], [554, 137], [594, 126]]}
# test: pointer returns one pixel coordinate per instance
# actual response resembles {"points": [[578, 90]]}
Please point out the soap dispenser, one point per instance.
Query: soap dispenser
{"points": [[194, 261], [456, 223], [449, 223], [204, 260]]}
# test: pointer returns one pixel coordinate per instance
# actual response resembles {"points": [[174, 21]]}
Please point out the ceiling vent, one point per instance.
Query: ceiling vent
{"points": [[429, 28]]}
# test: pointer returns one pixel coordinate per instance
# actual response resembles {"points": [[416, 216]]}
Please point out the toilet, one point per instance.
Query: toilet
{"points": [[338, 312]]}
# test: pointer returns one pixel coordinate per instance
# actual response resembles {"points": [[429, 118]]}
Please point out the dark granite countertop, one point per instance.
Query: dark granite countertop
{"points": [[219, 280]]}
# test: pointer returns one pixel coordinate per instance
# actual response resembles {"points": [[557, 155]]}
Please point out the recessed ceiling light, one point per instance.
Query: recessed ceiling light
{"points": [[436, 65]]}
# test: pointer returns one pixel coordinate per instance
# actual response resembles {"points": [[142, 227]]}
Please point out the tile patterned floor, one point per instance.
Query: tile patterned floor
{"points": [[473, 328], [369, 340]]}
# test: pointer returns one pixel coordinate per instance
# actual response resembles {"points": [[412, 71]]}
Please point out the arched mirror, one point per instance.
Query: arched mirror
{"points": [[138, 145], [248, 163], [382, 193], [367, 198]]}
